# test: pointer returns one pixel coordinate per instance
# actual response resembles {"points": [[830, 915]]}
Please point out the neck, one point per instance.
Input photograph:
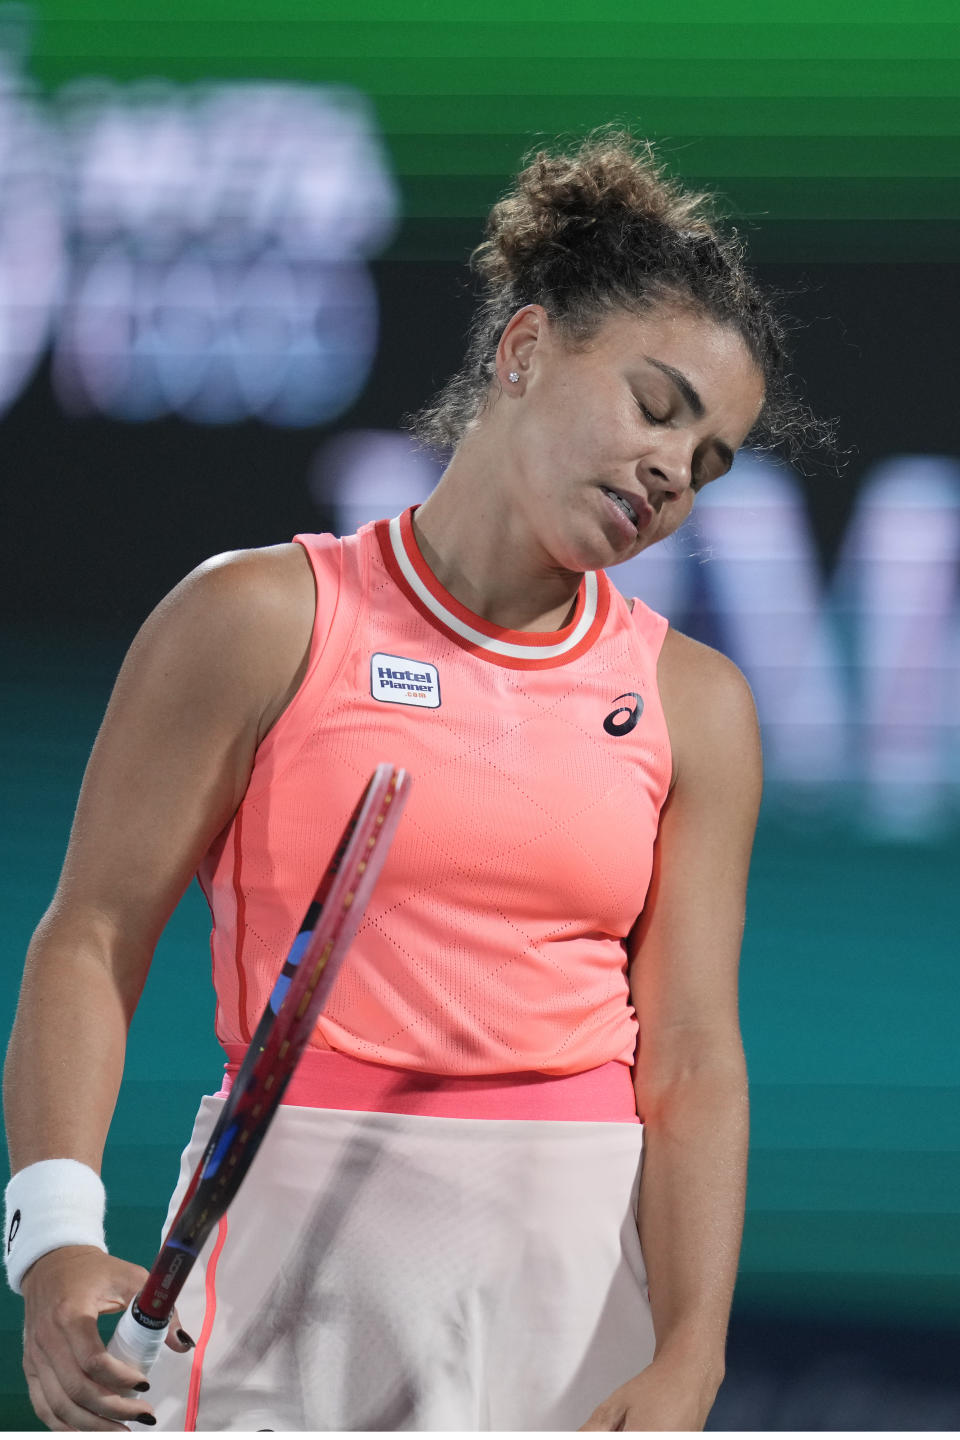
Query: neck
{"points": [[485, 555]]}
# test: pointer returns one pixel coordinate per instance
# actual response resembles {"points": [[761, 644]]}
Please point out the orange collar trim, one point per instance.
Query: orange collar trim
{"points": [[515, 649]]}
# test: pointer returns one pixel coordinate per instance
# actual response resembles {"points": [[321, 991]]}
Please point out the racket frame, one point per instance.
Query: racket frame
{"points": [[284, 1029]]}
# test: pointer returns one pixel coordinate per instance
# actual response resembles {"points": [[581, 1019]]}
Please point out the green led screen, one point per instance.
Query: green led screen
{"points": [[827, 137]]}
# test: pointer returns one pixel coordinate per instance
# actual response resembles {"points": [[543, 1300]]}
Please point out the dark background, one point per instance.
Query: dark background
{"points": [[102, 519]]}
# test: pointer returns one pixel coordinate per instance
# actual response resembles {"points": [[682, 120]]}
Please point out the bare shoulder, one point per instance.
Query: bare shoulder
{"points": [[241, 622], [206, 676], [690, 672], [709, 707], [271, 587]]}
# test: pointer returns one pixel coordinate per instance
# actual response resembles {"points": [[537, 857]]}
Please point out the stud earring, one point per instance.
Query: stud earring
{"points": [[514, 376]]}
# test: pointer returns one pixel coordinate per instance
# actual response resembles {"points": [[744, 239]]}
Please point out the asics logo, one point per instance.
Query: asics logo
{"points": [[623, 719]]}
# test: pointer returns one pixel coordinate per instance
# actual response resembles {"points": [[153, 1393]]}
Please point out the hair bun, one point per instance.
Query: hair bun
{"points": [[600, 228], [612, 187]]}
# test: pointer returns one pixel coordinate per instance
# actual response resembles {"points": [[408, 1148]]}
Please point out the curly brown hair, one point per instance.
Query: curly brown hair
{"points": [[603, 228]]}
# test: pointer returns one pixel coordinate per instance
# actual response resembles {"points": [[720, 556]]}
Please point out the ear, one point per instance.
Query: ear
{"points": [[519, 342]]}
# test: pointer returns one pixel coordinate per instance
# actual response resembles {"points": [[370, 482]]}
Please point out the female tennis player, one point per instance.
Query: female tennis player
{"points": [[445, 1227]]}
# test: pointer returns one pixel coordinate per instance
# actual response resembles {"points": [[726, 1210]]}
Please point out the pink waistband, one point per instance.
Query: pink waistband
{"points": [[325, 1079]]}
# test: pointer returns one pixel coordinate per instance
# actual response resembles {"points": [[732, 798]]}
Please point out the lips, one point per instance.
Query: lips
{"points": [[636, 509]]}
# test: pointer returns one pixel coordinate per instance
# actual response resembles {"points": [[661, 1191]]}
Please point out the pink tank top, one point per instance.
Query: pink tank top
{"points": [[495, 940]]}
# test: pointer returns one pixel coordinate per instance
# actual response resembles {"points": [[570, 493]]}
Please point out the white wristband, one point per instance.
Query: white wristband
{"points": [[50, 1204]]}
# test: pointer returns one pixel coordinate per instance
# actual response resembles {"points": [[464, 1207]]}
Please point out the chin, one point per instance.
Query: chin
{"points": [[581, 552], [614, 553], [589, 547]]}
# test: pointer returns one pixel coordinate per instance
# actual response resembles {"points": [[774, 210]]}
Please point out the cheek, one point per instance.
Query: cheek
{"points": [[572, 433], [671, 518], [553, 438]]}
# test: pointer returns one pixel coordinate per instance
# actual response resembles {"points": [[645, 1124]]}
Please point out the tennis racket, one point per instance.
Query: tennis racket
{"points": [[287, 1022]]}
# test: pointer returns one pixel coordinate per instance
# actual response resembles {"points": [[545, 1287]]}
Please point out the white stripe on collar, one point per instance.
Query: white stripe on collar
{"points": [[476, 637]]}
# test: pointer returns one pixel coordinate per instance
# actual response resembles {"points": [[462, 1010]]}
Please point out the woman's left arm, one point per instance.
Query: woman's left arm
{"points": [[691, 1080]]}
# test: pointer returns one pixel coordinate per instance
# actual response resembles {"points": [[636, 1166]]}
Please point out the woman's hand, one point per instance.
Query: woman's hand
{"points": [[74, 1384], [665, 1396]]}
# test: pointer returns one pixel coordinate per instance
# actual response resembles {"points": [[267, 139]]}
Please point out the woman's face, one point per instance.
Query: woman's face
{"points": [[652, 409]]}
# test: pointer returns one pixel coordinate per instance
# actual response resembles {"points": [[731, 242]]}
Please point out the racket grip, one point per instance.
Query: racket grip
{"points": [[136, 1343]]}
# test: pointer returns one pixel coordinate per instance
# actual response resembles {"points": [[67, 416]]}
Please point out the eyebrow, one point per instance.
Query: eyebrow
{"points": [[693, 400]]}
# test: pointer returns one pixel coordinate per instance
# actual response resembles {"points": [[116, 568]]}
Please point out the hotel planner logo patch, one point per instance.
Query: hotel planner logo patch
{"points": [[404, 682]]}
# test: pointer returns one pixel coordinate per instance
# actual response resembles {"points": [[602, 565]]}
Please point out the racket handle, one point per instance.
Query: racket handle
{"points": [[136, 1343]]}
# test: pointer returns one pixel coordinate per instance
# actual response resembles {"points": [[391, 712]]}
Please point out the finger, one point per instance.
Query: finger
{"points": [[39, 1401], [67, 1412], [93, 1360], [604, 1418], [77, 1374], [177, 1338]]}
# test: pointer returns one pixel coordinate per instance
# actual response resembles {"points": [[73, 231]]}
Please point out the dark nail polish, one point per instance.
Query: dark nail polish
{"points": [[184, 1338], [146, 1419], [142, 1385]]}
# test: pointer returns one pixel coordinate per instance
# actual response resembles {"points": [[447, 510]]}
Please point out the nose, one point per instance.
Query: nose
{"points": [[668, 471]]}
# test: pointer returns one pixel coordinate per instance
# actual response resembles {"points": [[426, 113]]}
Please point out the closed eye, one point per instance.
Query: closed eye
{"points": [[649, 415]]}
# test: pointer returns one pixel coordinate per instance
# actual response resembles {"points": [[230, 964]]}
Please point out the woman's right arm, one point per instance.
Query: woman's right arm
{"points": [[209, 673]]}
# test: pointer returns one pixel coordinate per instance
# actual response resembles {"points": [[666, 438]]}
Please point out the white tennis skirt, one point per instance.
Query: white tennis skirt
{"points": [[408, 1272]]}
